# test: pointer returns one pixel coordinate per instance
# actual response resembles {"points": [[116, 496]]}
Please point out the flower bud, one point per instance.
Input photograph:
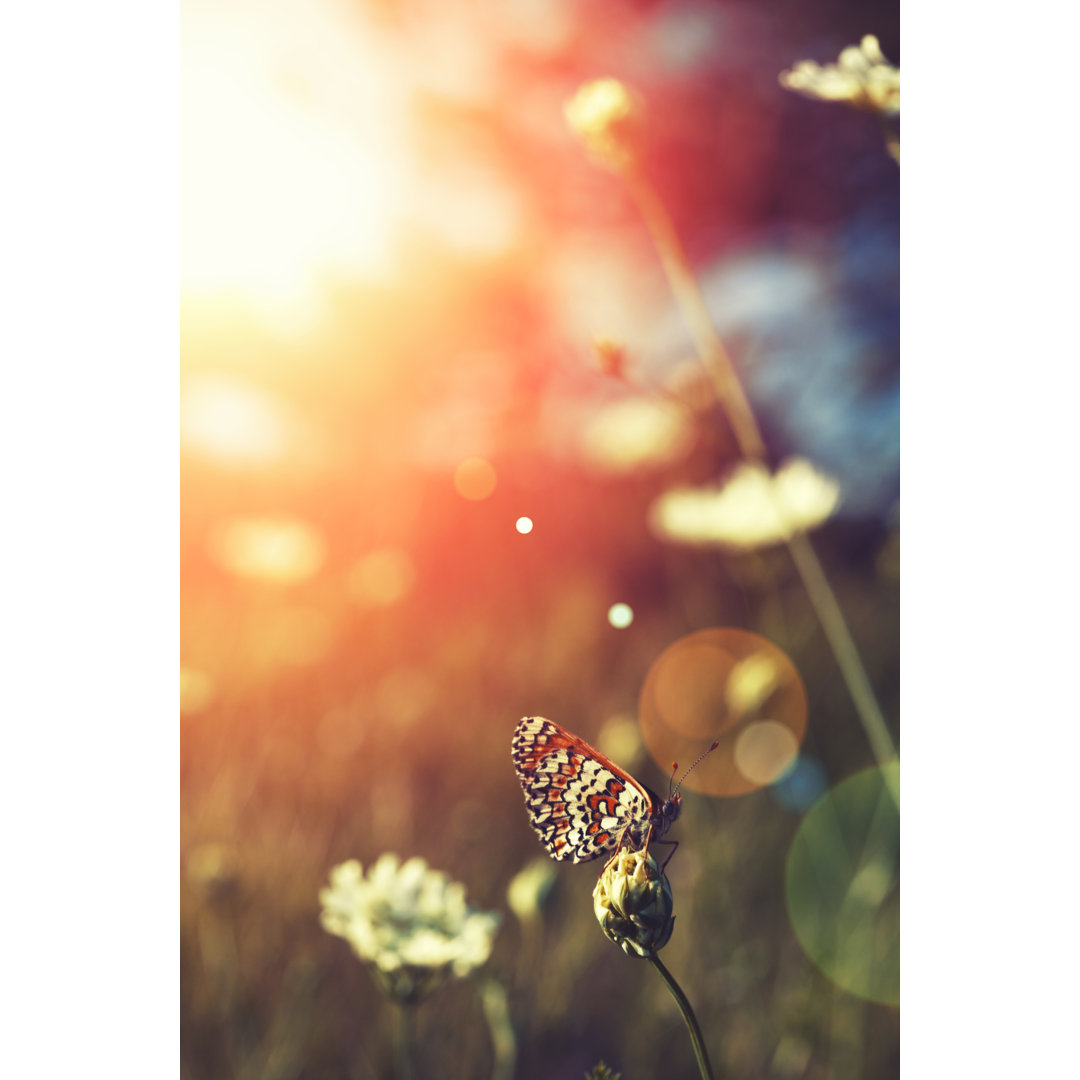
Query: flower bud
{"points": [[604, 115], [633, 903]]}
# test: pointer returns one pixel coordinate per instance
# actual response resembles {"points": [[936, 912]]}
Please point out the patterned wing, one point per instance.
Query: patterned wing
{"points": [[579, 802]]}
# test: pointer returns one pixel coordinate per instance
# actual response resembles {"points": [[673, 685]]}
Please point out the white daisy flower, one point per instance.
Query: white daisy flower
{"points": [[410, 923], [754, 508], [862, 77]]}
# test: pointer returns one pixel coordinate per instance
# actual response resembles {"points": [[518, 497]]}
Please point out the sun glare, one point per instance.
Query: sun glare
{"points": [[293, 154], [233, 422]]}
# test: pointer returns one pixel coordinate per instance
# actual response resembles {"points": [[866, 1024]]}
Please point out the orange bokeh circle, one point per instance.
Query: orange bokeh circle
{"points": [[730, 685]]}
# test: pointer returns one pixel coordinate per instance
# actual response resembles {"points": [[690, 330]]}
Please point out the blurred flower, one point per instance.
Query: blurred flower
{"points": [[410, 923], [752, 509], [602, 1072], [603, 114], [862, 77], [627, 434], [529, 888], [213, 868], [633, 903]]}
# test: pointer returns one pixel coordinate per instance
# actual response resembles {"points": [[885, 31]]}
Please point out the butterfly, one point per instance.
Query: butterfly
{"points": [[581, 804]]}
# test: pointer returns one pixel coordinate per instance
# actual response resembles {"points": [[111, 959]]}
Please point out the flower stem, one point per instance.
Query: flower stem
{"points": [[403, 1042], [684, 285], [827, 609], [696, 1040], [733, 400]]}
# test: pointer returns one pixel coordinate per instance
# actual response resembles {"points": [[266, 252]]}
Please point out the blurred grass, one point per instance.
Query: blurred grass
{"points": [[282, 782]]}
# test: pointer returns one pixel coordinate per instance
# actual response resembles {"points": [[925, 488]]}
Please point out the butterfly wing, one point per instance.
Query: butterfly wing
{"points": [[579, 802]]}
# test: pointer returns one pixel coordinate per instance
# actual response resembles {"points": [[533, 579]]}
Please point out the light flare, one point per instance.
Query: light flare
{"points": [[280, 550], [716, 684], [765, 751], [294, 154], [475, 479], [842, 885], [233, 422]]}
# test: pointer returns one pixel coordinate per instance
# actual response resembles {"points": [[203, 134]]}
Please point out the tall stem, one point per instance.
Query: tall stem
{"points": [[827, 609], [696, 1040], [733, 400], [684, 285]]}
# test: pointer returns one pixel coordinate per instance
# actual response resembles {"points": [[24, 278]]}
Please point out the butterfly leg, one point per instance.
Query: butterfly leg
{"points": [[673, 844], [618, 847]]}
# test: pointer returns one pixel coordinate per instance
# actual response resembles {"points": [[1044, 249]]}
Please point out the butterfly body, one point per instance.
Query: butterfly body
{"points": [[580, 803]]}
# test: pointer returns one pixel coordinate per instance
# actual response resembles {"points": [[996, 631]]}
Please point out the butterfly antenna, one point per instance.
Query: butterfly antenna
{"points": [[701, 758]]}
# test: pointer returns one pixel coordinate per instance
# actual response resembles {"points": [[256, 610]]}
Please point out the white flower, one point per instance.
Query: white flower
{"points": [[410, 923], [861, 76], [752, 509], [603, 114]]}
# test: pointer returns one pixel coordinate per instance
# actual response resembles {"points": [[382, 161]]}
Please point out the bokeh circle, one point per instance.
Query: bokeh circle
{"points": [[842, 884], [733, 686]]}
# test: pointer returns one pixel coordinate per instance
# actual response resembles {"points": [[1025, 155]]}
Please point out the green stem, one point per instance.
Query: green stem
{"points": [[403, 1041], [825, 605], [733, 400], [697, 1041]]}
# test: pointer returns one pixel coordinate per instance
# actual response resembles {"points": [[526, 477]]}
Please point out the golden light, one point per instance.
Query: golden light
{"points": [[197, 691], [297, 636], [475, 479], [406, 695], [732, 686], [233, 421], [294, 153], [765, 751], [281, 550], [633, 434], [620, 739], [524, 525], [381, 577], [750, 682]]}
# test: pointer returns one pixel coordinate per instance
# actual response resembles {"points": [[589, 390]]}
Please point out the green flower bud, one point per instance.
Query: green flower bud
{"points": [[633, 904]]}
